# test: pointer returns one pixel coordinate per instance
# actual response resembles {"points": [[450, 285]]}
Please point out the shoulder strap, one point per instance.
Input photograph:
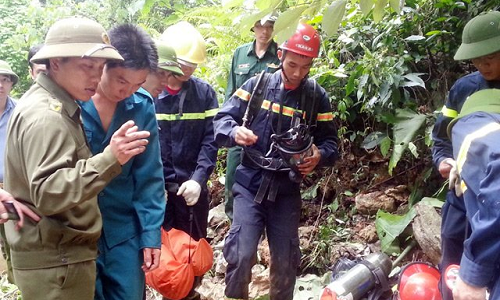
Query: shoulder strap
{"points": [[256, 99], [310, 102]]}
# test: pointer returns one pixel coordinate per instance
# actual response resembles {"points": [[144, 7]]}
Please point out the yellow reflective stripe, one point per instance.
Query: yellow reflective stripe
{"points": [[187, 116], [464, 148], [242, 94], [287, 111], [450, 113], [211, 112], [325, 117]]}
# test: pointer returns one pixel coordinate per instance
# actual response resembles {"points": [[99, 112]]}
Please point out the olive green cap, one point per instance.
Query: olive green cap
{"points": [[76, 37], [5, 69], [167, 59], [481, 36], [487, 100]]}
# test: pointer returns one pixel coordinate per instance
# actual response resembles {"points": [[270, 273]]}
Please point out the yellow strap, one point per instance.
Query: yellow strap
{"points": [[450, 113], [187, 116]]}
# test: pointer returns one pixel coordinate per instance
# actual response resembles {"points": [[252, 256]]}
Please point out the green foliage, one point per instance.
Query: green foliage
{"points": [[389, 227]]}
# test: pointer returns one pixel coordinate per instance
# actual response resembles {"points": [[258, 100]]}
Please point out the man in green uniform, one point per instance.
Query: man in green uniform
{"points": [[249, 60], [48, 165]]}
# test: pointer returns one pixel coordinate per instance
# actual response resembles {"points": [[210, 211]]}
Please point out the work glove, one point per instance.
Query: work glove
{"points": [[454, 181], [190, 190]]}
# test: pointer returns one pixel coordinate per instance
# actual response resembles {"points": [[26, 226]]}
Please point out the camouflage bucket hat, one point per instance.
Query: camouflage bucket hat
{"points": [[76, 37], [167, 59], [5, 69], [481, 36]]}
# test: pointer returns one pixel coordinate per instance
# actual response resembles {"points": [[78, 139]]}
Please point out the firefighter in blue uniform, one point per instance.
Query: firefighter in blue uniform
{"points": [[185, 111], [248, 60], [476, 136], [265, 198], [481, 44]]}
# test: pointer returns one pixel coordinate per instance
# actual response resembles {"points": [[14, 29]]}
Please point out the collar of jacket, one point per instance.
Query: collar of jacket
{"points": [[68, 103], [271, 49]]}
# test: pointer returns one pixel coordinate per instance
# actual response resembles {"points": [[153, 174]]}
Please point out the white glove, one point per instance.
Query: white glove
{"points": [[454, 181], [190, 190]]}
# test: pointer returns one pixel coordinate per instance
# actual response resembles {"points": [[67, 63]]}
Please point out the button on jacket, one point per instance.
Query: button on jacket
{"points": [[188, 149], [49, 167], [245, 64], [134, 202]]}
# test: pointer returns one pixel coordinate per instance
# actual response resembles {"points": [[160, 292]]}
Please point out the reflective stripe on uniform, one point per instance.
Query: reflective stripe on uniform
{"points": [[464, 148], [187, 116], [450, 113], [288, 111]]}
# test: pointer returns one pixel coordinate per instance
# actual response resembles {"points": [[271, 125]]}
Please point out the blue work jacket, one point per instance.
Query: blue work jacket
{"points": [[476, 147], [133, 203], [266, 121], [463, 88], [188, 149]]}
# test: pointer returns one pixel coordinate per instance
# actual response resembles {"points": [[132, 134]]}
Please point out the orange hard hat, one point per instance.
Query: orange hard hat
{"points": [[305, 41], [419, 281]]}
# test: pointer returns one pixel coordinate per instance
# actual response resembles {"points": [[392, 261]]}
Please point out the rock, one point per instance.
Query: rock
{"points": [[218, 223], [370, 203], [369, 234], [260, 282], [427, 231]]}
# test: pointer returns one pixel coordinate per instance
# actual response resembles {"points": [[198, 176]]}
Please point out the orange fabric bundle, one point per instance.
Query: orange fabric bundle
{"points": [[181, 259]]}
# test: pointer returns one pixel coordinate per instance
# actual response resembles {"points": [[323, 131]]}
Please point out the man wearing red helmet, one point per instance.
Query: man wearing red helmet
{"points": [[266, 196]]}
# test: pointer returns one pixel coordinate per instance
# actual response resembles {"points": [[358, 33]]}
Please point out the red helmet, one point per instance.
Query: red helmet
{"points": [[419, 281], [305, 41]]}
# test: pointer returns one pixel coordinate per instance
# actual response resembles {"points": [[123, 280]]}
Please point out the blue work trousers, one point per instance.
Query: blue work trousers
{"points": [[454, 228], [119, 273], [280, 219]]}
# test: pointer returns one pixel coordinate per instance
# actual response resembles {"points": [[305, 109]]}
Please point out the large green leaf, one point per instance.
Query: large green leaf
{"points": [[405, 128], [333, 17], [378, 11], [287, 23], [396, 5], [390, 226], [366, 6], [232, 3]]}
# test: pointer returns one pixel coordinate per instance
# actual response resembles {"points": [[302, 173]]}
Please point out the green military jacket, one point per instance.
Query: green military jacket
{"points": [[49, 168], [246, 64]]}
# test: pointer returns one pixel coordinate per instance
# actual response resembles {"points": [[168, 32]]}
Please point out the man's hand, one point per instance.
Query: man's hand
{"points": [[454, 180], [310, 162], [190, 190], [464, 291], [445, 167], [128, 142], [22, 210], [151, 259], [244, 136]]}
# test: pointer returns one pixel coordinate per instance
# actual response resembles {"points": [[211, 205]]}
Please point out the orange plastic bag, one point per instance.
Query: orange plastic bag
{"points": [[181, 259]]}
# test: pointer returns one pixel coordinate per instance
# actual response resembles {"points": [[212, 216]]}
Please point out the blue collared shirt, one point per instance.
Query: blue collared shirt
{"points": [[134, 202], [4, 119]]}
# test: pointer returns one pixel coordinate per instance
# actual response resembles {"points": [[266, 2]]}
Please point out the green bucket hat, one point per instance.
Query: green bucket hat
{"points": [[76, 37], [5, 69], [167, 59], [487, 100], [481, 36]]}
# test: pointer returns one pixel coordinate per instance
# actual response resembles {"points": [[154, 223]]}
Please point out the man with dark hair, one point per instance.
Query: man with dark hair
{"points": [[50, 169], [35, 68], [133, 204]]}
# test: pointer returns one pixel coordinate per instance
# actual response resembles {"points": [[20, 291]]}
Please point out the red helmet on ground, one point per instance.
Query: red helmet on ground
{"points": [[419, 281], [305, 41]]}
